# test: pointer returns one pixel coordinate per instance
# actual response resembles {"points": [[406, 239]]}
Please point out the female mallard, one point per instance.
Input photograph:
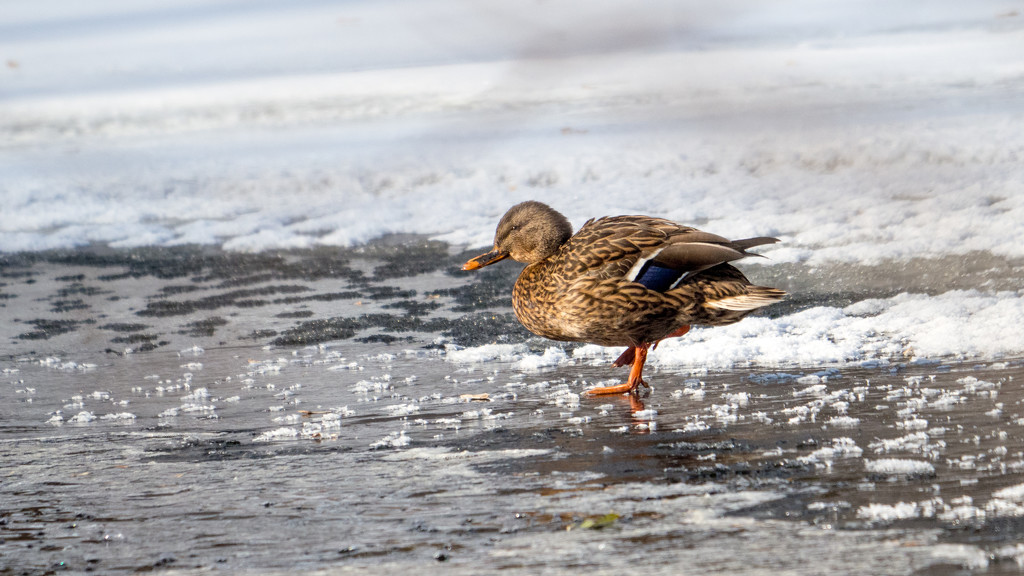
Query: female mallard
{"points": [[622, 280]]}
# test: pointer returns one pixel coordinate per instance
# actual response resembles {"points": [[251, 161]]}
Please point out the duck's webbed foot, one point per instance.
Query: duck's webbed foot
{"points": [[635, 380], [605, 390]]}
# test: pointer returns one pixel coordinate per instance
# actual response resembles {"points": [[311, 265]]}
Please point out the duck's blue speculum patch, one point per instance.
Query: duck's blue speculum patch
{"points": [[659, 278]]}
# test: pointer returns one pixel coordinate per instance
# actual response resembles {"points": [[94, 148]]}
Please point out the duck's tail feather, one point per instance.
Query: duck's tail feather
{"points": [[755, 297], [751, 242]]}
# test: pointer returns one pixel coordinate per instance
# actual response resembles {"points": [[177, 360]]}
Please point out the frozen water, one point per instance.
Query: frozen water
{"points": [[444, 465], [898, 466]]}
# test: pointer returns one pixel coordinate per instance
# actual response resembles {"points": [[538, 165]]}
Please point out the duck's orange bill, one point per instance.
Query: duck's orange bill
{"points": [[484, 260]]}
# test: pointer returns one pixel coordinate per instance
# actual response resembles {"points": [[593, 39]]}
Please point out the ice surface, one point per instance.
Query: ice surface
{"points": [[82, 417], [277, 434], [393, 440], [961, 324], [1012, 493], [418, 463], [898, 466], [889, 512], [840, 448], [487, 353]]}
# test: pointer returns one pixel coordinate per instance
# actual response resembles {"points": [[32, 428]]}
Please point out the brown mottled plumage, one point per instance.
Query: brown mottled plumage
{"points": [[622, 280]]}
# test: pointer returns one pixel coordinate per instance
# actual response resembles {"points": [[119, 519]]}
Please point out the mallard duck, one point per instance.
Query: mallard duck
{"points": [[622, 280]]}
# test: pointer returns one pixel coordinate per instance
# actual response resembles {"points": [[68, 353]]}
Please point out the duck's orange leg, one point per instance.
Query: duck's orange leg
{"points": [[626, 358], [635, 375], [634, 356]]}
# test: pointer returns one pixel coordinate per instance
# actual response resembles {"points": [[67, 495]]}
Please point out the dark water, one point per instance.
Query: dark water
{"points": [[296, 412]]}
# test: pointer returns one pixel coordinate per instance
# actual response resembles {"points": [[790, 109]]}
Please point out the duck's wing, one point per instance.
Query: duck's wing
{"points": [[608, 247], [686, 255], [654, 252], [693, 251]]}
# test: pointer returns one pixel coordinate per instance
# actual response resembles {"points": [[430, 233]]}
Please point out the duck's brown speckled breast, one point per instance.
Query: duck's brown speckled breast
{"points": [[536, 300], [592, 309]]}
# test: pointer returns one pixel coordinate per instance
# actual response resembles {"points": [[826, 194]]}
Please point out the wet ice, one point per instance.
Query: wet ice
{"points": [[428, 418]]}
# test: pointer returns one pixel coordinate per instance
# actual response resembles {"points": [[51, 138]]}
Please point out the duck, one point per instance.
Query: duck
{"points": [[630, 281]]}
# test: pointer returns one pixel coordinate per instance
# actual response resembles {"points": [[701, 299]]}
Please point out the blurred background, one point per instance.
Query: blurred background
{"points": [[256, 124]]}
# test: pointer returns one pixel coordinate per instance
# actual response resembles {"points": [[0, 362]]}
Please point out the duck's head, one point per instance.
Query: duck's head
{"points": [[528, 232]]}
